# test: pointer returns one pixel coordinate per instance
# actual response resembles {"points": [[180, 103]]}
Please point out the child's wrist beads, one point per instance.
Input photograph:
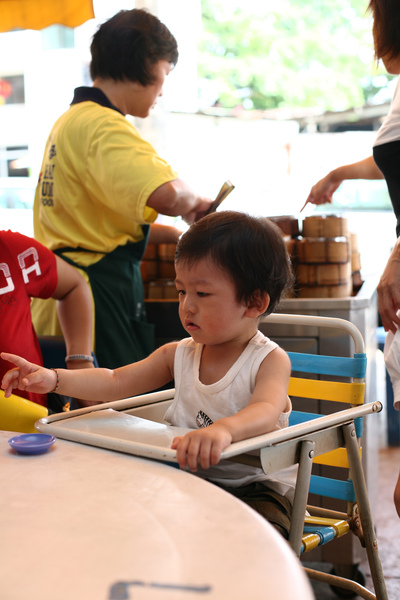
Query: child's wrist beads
{"points": [[57, 380]]}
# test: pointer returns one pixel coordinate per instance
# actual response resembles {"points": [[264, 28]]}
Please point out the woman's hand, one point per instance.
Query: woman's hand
{"points": [[396, 496], [323, 190], [198, 212], [27, 376], [389, 291], [202, 446]]}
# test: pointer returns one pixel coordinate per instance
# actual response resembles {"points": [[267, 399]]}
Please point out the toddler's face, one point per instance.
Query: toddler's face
{"points": [[208, 306]]}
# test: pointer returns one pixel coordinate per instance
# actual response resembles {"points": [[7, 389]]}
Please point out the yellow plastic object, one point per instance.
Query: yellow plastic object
{"points": [[310, 541], [341, 527], [351, 393], [335, 458], [18, 414]]}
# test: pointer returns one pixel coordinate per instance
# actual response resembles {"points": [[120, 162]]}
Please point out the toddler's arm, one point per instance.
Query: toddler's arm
{"points": [[41, 380], [93, 385]]}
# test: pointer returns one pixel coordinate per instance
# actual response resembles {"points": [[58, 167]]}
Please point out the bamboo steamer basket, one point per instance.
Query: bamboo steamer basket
{"points": [[323, 250], [354, 242], [151, 252], [321, 275], [327, 226], [170, 291], [155, 290], [290, 244], [355, 254], [326, 291], [149, 270], [289, 225], [162, 289], [166, 252], [357, 280], [290, 293], [166, 270], [355, 262]]}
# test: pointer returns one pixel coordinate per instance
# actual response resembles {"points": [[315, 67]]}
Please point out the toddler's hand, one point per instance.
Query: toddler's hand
{"points": [[26, 376], [203, 445]]}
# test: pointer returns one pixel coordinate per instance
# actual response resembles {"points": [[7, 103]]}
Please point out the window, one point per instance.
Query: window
{"points": [[14, 161], [58, 36], [16, 185], [17, 161], [12, 89]]}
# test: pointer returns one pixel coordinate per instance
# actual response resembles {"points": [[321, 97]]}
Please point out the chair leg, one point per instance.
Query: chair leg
{"points": [[301, 495], [360, 488], [345, 584]]}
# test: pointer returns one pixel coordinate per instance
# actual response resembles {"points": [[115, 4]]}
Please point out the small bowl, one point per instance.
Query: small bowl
{"points": [[32, 443]]}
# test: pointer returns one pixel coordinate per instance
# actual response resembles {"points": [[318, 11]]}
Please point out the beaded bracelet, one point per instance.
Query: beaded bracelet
{"points": [[57, 382], [87, 357]]}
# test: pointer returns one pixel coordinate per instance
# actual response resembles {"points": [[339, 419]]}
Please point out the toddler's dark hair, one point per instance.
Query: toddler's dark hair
{"points": [[251, 250], [125, 47]]}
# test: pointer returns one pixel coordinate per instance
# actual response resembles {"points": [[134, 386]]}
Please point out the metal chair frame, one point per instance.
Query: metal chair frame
{"points": [[331, 433]]}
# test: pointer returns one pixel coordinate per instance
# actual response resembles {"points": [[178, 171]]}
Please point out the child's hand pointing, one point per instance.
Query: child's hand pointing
{"points": [[27, 376]]}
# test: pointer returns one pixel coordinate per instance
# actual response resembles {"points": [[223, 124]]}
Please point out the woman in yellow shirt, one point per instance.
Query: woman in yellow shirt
{"points": [[102, 185]]}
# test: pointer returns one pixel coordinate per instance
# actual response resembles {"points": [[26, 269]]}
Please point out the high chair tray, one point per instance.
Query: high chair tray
{"points": [[119, 431], [135, 426], [115, 426]]}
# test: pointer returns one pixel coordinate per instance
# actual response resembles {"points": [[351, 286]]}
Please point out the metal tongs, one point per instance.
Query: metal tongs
{"points": [[225, 190]]}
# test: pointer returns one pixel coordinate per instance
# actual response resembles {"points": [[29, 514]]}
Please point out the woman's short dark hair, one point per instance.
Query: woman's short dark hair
{"points": [[386, 27], [125, 47], [250, 250]]}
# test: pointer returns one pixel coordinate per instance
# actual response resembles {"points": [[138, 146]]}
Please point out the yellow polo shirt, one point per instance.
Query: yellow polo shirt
{"points": [[96, 177]]}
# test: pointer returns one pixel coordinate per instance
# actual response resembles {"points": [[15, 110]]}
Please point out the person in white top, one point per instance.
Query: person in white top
{"points": [[231, 381], [384, 164]]}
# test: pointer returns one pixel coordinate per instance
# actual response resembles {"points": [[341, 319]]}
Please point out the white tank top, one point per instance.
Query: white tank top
{"points": [[390, 128], [197, 405]]}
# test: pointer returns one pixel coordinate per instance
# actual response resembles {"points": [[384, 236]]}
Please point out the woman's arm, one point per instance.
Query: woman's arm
{"points": [[396, 495], [323, 190], [389, 291], [163, 234], [175, 198]]}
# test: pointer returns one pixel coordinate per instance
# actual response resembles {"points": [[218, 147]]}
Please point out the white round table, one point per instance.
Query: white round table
{"points": [[84, 523]]}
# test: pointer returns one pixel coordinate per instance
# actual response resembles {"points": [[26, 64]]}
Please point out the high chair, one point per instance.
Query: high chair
{"points": [[136, 426], [332, 440]]}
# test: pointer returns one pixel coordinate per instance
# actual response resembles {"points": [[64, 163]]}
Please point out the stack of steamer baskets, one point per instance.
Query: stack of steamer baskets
{"points": [[289, 226], [327, 258], [158, 272]]}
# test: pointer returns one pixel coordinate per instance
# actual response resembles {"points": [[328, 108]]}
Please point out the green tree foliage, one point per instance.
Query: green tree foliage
{"points": [[265, 54]]}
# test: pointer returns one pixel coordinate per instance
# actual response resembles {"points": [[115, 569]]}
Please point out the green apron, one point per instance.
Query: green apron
{"points": [[122, 335]]}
